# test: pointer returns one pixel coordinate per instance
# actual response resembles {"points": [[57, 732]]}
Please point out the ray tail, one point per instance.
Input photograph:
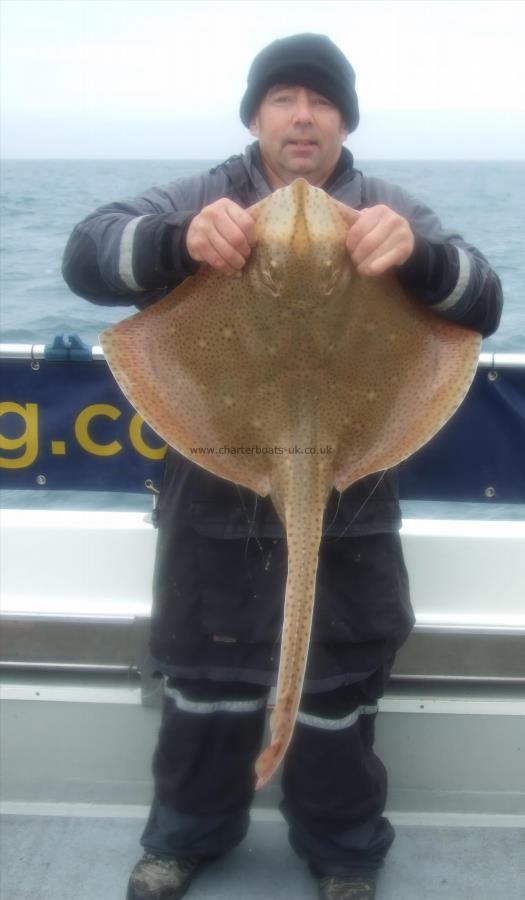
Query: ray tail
{"points": [[301, 498]]}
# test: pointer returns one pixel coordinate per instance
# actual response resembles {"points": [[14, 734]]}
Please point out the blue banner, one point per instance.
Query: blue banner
{"points": [[66, 425], [479, 455]]}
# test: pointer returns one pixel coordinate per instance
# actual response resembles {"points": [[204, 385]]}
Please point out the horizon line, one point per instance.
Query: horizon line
{"points": [[215, 158]]}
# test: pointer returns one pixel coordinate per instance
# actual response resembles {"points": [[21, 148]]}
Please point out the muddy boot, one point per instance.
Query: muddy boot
{"points": [[161, 877], [347, 887]]}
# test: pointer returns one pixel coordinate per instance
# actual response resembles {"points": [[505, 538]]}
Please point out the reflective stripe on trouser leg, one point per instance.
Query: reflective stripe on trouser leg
{"points": [[334, 790], [203, 768]]}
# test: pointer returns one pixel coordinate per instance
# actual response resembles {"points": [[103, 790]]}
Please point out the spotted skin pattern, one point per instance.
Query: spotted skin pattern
{"points": [[300, 354]]}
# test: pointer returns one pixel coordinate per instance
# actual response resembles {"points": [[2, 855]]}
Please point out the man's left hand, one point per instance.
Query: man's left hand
{"points": [[379, 239]]}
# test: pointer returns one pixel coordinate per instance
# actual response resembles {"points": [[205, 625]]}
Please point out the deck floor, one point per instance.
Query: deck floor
{"points": [[59, 858]]}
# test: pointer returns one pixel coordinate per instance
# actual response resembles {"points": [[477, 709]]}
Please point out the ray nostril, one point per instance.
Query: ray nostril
{"points": [[268, 280]]}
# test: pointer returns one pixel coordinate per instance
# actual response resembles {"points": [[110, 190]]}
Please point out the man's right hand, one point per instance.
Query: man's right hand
{"points": [[222, 235]]}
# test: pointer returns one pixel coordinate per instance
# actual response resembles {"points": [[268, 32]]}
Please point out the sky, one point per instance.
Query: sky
{"points": [[162, 79]]}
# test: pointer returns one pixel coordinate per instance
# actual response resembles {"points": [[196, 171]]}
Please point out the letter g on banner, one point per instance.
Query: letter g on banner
{"points": [[27, 440]]}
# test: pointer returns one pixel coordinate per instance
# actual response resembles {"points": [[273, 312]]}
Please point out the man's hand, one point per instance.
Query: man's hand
{"points": [[222, 235], [379, 239]]}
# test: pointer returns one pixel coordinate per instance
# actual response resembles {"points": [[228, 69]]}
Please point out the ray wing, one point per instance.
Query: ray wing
{"points": [[402, 373], [183, 364]]}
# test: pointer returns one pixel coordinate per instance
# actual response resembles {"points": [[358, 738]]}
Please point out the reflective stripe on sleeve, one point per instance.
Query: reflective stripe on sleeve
{"points": [[205, 706], [125, 263], [336, 724], [461, 284]]}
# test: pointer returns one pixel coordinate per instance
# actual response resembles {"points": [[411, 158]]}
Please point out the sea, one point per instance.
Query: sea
{"points": [[41, 201]]}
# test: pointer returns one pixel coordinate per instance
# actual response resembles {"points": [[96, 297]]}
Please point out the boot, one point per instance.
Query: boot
{"points": [[347, 887], [161, 877]]}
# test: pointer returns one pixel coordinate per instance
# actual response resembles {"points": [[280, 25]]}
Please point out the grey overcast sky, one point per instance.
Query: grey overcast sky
{"points": [[138, 79]]}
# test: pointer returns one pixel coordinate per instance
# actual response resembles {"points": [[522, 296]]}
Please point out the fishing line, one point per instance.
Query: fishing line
{"points": [[359, 511], [334, 517], [251, 522]]}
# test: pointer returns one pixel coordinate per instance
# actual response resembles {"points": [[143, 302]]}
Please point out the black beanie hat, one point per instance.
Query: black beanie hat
{"points": [[310, 60]]}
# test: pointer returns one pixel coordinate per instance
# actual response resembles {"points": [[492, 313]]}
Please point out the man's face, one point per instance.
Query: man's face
{"points": [[300, 133]]}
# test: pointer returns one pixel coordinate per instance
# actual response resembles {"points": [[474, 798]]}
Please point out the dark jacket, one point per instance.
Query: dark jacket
{"points": [[221, 556]]}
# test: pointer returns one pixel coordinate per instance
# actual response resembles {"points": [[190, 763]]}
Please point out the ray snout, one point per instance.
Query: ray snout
{"points": [[301, 216]]}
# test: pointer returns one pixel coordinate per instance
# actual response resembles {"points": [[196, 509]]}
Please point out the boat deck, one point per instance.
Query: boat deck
{"points": [[89, 857]]}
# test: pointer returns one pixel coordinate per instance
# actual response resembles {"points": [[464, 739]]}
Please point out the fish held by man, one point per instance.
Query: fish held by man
{"points": [[338, 374]]}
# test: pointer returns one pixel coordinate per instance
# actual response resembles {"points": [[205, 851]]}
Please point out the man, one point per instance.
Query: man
{"points": [[221, 558]]}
